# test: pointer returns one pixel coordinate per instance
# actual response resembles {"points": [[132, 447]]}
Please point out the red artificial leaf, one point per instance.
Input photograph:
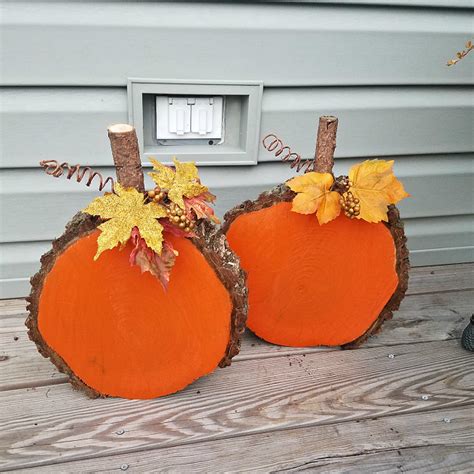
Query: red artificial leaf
{"points": [[200, 207], [149, 261], [207, 196]]}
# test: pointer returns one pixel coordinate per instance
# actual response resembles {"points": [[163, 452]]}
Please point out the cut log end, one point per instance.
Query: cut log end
{"points": [[120, 128], [116, 332], [338, 290]]}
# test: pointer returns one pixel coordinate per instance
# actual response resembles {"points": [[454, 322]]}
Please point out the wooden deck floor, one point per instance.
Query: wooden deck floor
{"points": [[402, 402]]}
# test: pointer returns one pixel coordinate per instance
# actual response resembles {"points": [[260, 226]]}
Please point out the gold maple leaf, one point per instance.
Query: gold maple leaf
{"points": [[314, 195], [184, 182], [125, 210], [375, 185]]}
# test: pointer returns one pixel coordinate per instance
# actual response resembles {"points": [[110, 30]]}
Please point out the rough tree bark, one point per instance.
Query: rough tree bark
{"points": [[126, 155], [325, 144]]}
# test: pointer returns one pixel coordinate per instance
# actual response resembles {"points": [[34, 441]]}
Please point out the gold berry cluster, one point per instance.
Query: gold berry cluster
{"points": [[175, 214], [349, 203], [156, 195]]}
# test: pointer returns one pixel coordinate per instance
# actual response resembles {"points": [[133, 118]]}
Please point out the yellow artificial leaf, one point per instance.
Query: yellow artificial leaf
{"points": [[164, 177], [125, 210], [184, 182], [376, 187], [314, 195]]}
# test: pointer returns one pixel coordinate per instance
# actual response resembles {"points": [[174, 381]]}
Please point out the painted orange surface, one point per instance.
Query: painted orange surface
{"points": [[118, 329], [312, 284]]}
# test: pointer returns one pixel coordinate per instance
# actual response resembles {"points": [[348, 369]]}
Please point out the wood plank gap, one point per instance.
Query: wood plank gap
{"points": [[39, 383], [329, 460], [326, 349], [437, 292]]}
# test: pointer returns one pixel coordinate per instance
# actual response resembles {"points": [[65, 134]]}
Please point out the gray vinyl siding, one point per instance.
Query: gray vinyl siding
{"points": [[378, 65]]}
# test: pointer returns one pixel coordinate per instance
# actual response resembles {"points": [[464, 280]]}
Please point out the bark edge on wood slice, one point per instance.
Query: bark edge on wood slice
{"points": [[281, 193], [209, 240]]}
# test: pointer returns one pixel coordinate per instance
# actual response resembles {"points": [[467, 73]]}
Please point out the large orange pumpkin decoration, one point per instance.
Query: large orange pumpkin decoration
{"points": [[327, 279], [118, 331]]}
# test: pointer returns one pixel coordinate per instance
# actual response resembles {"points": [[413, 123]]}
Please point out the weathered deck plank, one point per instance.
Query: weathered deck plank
{"points": [[422, 318], [441, 278], [373, 445], [257, 396], [432, 459]]}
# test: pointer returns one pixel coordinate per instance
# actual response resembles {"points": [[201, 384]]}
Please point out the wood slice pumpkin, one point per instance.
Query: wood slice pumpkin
{"points": [[116, 331], [311, 284]]}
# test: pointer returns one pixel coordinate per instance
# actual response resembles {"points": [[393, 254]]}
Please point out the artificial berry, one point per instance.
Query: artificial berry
{"points": [[350, 205]]}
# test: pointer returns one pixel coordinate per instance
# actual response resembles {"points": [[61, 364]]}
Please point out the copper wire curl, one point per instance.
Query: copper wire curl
{"points": [[54, 168], [295, 158]]}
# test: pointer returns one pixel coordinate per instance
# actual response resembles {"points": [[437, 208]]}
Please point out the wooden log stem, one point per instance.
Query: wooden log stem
{"points": [[325, 144], [126, 154]]}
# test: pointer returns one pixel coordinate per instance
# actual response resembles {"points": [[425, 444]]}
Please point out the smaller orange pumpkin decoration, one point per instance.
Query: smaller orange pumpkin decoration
{"points": [[326, 257]]}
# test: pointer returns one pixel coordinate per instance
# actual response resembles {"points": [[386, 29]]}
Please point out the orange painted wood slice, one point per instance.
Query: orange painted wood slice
{"points": [[312, 284], [118, 332]]}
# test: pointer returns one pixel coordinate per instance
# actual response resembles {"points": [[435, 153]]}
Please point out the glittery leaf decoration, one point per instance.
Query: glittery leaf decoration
{"points": [[184, 182], [125, 210], [163, 175]]}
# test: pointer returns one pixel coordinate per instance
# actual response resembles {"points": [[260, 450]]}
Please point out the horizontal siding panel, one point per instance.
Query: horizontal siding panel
{"points": [[405, 3], [14, 288], [464, 4], [440, 232], [372, 121], [104, 43], [39, 208], [70, 123], [444, 256], [19, 261], [59, 124]]}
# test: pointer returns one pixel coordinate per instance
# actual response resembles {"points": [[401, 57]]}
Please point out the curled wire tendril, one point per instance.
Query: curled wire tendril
{"points": [[56, 169], [273, 144]]}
